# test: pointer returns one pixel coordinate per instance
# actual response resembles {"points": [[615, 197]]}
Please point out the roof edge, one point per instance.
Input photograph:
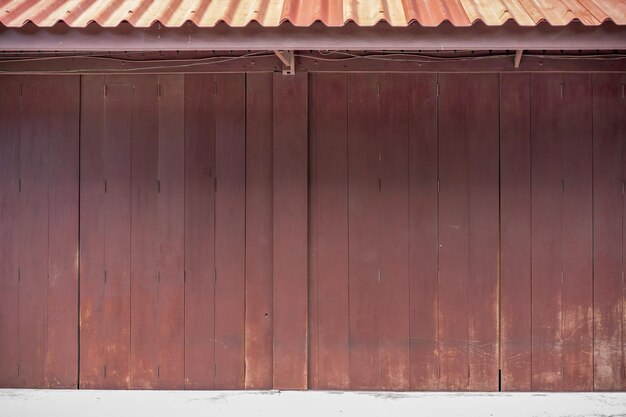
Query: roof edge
{"points": [[126, 37], [326, 23]]}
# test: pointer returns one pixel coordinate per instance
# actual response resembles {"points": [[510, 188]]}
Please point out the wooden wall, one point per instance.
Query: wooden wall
{"points": [[190, 279], [39, 231], [325, 231]]}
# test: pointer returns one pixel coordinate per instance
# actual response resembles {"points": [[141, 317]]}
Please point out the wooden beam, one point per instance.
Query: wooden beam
{"points": [[316, 37], [518, 57], [305, 62], [281, 56], [288, 59]]}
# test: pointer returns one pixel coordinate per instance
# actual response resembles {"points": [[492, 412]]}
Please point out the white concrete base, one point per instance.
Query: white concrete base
{"points": [[65, 403]]}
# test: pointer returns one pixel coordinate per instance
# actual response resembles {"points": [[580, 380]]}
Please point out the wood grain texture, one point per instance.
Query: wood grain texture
{"points": [[547, 232], [9, 231], [259, 214], [423, 237], [116, 273], [230, 200], [623, 118], [144, 232], [48, 233], [454, 256], [92, 197], [62, 333], [170, 314], [364, 257], [329, 325], [290, 178], [199, 232], [608, 150], [515, 219], [35, 138], [577, 284], [393, 215], [468, 228], [623, 291], [261, 231], [483, 235]]}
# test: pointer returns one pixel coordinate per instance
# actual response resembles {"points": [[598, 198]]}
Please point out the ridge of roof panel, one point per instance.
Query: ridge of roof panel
{"points": [[332, 13]]}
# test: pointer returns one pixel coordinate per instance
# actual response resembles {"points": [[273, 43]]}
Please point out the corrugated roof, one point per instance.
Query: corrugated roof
{"points": [[236, 13]]}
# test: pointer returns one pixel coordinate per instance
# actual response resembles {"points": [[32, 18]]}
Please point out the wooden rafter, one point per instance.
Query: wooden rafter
{"points": [[288, 60], [518, 57]]}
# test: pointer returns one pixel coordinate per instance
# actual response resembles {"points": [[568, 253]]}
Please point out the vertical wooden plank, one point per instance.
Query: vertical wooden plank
{"points": [[423, 238], [313, 311], [199, 232], [484, 230], [9, 231], [363, 175], [118, 113], [577, 284], [546, 197], [394, 232], [230, 201], [259, 315], [290, 231], [62, 332], [515, 246], [607, 232], [144, 231], [623, 288], [329, 331], [33, 226], [454, 169], [171, 239], [92, 224]]}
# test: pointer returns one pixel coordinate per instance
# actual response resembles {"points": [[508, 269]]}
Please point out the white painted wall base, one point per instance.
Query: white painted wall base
{"points": [[66, 403]]}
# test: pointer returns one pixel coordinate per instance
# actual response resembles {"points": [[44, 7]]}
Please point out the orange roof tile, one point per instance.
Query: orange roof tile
{"points": [[236, 13]]}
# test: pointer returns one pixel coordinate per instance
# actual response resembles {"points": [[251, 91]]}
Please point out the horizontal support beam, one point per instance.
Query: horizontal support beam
{"points": [[310, 62], [253, 37]]}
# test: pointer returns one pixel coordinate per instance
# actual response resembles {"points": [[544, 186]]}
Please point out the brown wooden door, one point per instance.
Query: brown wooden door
{"points": [[39, 120], [404, 232]]}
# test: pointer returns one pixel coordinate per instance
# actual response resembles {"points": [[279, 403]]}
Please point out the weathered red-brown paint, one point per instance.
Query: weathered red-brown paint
{"points": [[608, 150], [62, 308], [623, 288], [290, 208], [483, 136], [453, 235], [363, 229], [379, 311], [199, 232], [47, 279], [393, 217], [34, 219], [515, 240], [39, 228], [230, 234], [329, 314], [577, 255], [170, 314], [91, 319], [468, 228], [259, 214], [9, 231], [372, 206], [546, 229], [423, 236], [562, 232], [116, 268], [144, 233], [121, 263]]}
